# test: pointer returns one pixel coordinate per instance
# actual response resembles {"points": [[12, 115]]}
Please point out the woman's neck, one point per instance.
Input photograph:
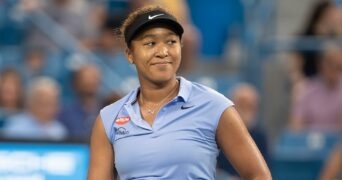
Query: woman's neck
{"points": [[156, 93]]}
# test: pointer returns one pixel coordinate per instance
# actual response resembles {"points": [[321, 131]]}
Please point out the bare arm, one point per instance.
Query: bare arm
{"points": [[101, 154], [333, 167], [238, 146]]}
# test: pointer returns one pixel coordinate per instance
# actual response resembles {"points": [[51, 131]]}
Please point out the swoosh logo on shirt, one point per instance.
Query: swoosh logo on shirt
{"points": [[186, 107], [152, 17]]}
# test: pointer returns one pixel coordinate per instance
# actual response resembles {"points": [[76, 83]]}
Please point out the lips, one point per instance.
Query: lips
{"points": [[161, 62]]}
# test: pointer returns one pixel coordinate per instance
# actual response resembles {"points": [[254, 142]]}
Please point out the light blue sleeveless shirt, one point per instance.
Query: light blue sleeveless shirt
{"points": [[180, 144]]}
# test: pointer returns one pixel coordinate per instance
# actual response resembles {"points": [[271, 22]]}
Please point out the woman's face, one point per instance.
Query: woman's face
{"points": [[156, 53], [331, 65], [10, 91], [330, 24]]}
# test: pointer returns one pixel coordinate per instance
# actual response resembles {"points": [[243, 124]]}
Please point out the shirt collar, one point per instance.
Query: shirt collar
{"points": [[184, 91], [134, 96]]}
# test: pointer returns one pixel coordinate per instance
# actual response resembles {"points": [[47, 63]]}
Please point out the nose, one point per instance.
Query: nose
{"points": [[162, 51]]}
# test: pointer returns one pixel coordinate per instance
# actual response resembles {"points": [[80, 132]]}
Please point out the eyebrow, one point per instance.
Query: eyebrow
{"points": [[154, 35]]}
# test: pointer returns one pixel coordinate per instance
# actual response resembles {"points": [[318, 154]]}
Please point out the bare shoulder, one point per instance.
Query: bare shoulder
{"points": [[101, 153], [238, 146], [230, 123]]}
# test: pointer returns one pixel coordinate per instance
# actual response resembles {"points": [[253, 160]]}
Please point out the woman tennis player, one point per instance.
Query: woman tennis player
{"points": [[169, 127]]}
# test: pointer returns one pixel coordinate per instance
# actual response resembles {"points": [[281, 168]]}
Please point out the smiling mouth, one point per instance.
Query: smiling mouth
{"points": [[161, 63]]}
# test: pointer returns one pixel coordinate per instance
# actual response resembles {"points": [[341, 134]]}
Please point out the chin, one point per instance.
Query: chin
{"points": [[162, 77]]}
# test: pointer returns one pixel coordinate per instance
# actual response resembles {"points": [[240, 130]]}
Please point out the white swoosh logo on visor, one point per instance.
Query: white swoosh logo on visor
{"points": [[151, 17]]}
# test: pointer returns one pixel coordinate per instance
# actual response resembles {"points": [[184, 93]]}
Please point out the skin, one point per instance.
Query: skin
{"points": [[10, 92], [156, 52], [234, 140], [43, 103], [245, 98], [101, 154], [330, 24], [333, 166]]}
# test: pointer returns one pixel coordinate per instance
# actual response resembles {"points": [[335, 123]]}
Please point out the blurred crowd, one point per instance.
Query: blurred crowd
{"points": [[73, 44], [60, 63], [70, 47]]}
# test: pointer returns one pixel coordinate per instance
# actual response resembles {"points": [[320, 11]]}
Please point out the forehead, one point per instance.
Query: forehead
{"points": [[155, 31]]}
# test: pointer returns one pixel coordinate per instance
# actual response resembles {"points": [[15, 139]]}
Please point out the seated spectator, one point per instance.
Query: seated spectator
{"points": [[39, 121], [10, 94], [325, 21], [37, 62], [33, 65], [246, 100], [78, 116], [317, 106]]}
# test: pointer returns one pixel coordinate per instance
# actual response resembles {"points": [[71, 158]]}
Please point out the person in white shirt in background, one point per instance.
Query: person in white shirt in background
{"points": [[38, 121]]}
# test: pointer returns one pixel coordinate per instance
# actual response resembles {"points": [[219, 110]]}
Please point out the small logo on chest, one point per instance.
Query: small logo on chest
{"points": [[121, 131], [122, 120], [186, 107]]}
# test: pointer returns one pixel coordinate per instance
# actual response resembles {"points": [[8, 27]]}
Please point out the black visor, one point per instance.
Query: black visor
{"points": [[149, 18]]}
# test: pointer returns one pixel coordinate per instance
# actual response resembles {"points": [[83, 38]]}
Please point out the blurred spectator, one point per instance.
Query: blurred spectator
{"points": [[191, 37], [325, 21], [333, 166], [114, 65], [78, 116], [38, 62], [34, 65], [284, 72], [318, 105], [39, 121], [246, 100], [11, 98]]}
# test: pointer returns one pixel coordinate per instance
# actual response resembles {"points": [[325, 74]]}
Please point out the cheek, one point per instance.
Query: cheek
{"points": [[140, 55], [177, 53], [139, 59]]}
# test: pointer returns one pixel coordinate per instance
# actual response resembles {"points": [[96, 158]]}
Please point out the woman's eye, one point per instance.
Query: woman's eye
{"points": [[171, 42], [149, 44]]}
